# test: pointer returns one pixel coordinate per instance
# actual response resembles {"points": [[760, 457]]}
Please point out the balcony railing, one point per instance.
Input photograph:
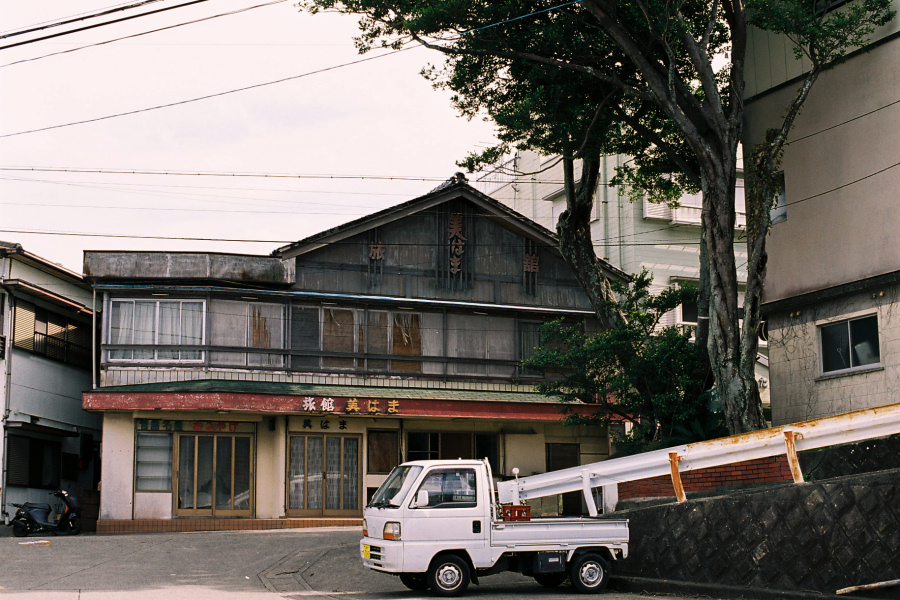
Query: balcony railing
{"points": [[325, 362]]}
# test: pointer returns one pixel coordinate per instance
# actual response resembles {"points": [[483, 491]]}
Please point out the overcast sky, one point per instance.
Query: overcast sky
{"points": [[376, 119]]}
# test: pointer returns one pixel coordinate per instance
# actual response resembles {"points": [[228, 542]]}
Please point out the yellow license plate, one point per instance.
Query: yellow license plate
{"points": [[367, 551]]}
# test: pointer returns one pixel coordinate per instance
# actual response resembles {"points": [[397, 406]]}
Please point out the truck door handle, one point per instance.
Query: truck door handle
{"points": [[476, 526]]}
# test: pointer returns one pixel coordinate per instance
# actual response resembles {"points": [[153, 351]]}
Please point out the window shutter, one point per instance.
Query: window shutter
{"points": [[653, 210], [23, 336], [17, 460]]}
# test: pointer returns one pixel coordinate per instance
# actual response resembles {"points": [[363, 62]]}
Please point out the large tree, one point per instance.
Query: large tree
{"points": [[660, 80]]}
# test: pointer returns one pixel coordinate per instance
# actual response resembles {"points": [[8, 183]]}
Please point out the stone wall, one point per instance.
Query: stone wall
{"points": [[811, 536], [851, 459]]}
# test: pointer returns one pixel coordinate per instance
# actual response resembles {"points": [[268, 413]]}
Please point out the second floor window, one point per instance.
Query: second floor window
{"points": [[156, 323], [375, 337], [237, 325], [52, 335]]}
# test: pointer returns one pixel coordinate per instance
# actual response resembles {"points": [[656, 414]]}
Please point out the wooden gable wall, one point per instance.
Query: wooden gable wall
{"points": [[411, 257]]}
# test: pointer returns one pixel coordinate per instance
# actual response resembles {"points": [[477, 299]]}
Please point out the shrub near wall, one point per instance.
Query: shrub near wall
{"points": [[751, 472], [808, 536]]}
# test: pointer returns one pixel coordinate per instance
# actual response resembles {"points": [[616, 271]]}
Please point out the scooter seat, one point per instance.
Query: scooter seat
{"points": [[36, 505]]}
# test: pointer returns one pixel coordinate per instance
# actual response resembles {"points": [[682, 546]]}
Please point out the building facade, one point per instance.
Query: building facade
{"points": [[833, 287], [289, 385], [48, 441]]}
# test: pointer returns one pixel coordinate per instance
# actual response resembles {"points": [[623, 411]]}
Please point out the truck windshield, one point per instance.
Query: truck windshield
{"points": [[395, 486]]}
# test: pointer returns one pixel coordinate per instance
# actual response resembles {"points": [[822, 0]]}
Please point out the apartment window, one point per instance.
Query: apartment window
{"points": [[849, 344], [153, 462], [156, 323], [33, 462], [778, 213], [238, 324], [52, 335]]}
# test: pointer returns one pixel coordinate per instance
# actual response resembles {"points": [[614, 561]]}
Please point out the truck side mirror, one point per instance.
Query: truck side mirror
{"points": [[421, 499]]}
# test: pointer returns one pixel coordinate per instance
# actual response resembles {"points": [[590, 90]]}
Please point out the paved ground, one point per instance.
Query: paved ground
{"points": [[296, 564]]}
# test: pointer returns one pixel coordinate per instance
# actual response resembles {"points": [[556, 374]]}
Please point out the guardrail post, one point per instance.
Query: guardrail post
{"points": [[790, 437], [588, 492], [676, 476]]}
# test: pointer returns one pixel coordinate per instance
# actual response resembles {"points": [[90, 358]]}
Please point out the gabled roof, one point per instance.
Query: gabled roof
{"points": [[16, 251], [454, 188]]}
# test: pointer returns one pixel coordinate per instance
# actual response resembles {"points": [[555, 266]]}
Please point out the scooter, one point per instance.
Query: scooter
{"points": [[34, 517]]}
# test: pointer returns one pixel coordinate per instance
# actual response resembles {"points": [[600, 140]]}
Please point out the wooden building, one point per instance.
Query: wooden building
{"points": [[289, 385]]}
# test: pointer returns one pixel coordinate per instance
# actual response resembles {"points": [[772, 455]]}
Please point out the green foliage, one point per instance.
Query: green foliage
{"points": [[553, 82], [650, 376], [824, 38]]}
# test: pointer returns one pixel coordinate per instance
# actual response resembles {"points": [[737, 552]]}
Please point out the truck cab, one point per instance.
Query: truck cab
{"points": [[437, 524]]}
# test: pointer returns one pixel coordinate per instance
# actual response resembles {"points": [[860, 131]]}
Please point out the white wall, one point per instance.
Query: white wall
{"points": [[117, 476], [800, 391]]}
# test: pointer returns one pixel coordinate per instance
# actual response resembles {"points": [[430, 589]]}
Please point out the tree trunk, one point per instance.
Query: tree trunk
{"points": [[575, 241], [736, 387]]}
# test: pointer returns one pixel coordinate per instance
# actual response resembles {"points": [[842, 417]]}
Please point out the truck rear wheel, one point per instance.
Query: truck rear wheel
{"points": [[589, 573], [448, 575]]}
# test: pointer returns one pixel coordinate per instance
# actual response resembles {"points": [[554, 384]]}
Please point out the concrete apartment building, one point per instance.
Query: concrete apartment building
{"points": [[629, 235], [832, 296], [48, 441], [267, 387]]}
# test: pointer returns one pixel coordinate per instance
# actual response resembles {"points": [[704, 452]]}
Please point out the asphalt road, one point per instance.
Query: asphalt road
{"points": [[248, 565]]}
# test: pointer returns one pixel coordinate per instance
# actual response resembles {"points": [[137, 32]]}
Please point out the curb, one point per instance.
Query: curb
{"points": [[638, 585]]}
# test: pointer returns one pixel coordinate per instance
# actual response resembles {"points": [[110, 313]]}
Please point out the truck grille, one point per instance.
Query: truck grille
{"points": [[376, 553]]}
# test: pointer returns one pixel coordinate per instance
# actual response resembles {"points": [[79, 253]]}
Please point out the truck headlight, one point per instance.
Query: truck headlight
{"points": [[365, 528], [392, 531]]}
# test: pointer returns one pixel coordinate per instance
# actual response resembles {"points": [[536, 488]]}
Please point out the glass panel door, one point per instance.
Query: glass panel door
{"points": [[323, 475], [214, 475]]}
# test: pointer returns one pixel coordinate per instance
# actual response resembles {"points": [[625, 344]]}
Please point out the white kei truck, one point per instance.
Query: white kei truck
{"points": [[439, 524]]}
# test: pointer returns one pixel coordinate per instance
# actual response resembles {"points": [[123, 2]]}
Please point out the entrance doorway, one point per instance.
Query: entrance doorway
{"points": [[323, 475], [215, 475], [563, 456]]}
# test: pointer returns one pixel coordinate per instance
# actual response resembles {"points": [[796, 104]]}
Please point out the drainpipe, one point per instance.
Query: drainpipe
{"points": [[94, 338], [7, 362]]}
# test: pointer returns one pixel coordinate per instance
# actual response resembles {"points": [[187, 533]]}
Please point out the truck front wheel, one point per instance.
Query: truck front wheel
{"points": [[589, 573], [414, 581], [448, 575]]}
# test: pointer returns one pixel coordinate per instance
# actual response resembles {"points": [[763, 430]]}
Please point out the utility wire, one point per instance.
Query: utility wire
{"points": [[835, 126], [225, 14], [75, 19], [215, 95], [94, 26], [259, 85], [255, 241], [233, 175]]}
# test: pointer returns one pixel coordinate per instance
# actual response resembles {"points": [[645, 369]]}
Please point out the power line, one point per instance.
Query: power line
{"points": [[257, 241], [242, 175], [206, 97], [225, 174], [225, 14], [124, 187], [94, 26], [75, 19], [842, 186], [215, 95], [835, 126]]}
